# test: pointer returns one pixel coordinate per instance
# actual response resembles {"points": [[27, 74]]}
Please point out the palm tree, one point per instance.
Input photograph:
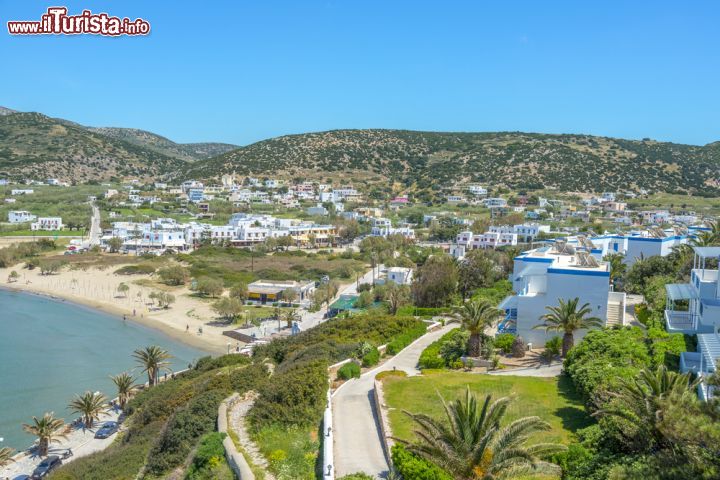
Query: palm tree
{"points": [[617, 267], [153, 359], [476, 316], [47, 430], [471, 443], [6, 454], [90, 405], [126, 387], [642, 401], [567, 318], [290, 316]]}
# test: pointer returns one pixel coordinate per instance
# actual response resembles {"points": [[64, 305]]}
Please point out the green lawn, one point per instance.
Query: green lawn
{"points": [[552, 399]]}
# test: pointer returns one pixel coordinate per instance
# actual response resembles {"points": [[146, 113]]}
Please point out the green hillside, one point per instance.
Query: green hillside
{"points": [[431, 160]]}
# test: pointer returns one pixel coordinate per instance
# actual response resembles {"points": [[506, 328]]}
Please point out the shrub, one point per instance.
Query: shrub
{"points": [[430, 357], [141, 269], [210, 453], [553, 346], [295, 396], [454, 346], [209, 287], [504, 342], [174, 275], [415, 468], [404, 339], [371, 358], [518, 347], [348, 371]]}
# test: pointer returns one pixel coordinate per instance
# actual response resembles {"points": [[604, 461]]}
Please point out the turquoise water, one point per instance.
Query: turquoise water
{"points": [[51, 350]]}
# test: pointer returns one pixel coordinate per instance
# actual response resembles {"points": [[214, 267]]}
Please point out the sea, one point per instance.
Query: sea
{"points": [[51, 350]]}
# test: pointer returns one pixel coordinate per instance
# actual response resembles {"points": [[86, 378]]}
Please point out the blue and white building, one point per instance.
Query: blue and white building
{"points": [[694, 308], [543, 276]]}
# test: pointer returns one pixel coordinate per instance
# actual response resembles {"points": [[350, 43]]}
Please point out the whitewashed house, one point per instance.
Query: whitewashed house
{"points": [[20, 216], [47, 223]]}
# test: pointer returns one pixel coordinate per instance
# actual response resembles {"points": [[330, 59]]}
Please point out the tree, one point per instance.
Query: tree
{"points": [[90, 405], [239, 291], [567, 318], [126, 387], [47, 429], [13, 277], [6, 454], [435, 282], [471, 444], [209, 287], [123, 289], [174, 275], [396, 296], [152, 359], [643, 400], [290, 316], [476, 316], [289, 295], [228, 308], [48, 267], [480, 268], [618, 267], [115, 244]]}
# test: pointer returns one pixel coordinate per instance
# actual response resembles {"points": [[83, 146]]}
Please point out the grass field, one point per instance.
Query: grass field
{"points": [[41, 233], [552, 399]]}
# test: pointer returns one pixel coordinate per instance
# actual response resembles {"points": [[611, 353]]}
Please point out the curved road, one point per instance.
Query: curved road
{"points": [[358, 445]]}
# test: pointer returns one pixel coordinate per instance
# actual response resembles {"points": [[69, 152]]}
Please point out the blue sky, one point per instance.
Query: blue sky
{"points": [[243, 71]]}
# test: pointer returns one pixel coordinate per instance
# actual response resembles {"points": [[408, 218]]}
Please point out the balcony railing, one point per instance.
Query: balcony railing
{"points": [[680, 321]]}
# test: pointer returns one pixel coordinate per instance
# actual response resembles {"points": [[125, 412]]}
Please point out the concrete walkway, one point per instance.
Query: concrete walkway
{"points": [[358, 444], [82, 442]]}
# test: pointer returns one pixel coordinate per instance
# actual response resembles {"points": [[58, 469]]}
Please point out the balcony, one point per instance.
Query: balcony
{"points": [[680, 322]]}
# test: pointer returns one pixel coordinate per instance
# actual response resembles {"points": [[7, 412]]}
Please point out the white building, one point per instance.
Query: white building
{"points": [[22, 191], [47, 223], [477, 190], [495, 202], [698, 313], [400, 275], [542, 276], [20, 216]]}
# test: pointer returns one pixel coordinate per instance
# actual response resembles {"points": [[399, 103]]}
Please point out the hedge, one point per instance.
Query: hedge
{"points": [[403, 340], [371, 358], [430, 357]]}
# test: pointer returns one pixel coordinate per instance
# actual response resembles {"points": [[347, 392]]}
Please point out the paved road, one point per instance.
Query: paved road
{"points": [[358, 447]]}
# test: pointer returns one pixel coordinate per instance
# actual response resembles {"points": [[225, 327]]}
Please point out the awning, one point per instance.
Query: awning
{"points": [[707, 252], [680, 291]]}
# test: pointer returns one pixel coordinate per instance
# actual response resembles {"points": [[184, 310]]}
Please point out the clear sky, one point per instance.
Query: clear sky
{"points": [[241, 71]]}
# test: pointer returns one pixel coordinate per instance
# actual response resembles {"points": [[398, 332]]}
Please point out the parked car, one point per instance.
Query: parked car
{"points": [[107, 429], [45, 467]]}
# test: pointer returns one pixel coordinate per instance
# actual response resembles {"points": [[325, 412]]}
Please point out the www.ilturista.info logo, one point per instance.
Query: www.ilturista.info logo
{"points": [[57, 22]]}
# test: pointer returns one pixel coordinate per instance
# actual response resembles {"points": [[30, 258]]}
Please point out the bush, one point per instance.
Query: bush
{"points": [[518, 347], [404, 339], [141, 269], [348, 371], [295, 396], [210, 453], [605, 356], [371, 358], [553, 346], [174, 275], [665, 348], [209, 287], [454, 346], [504, 342], [415, 468], [430, 357]]}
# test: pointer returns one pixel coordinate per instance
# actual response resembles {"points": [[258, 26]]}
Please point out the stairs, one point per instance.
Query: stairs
{"points": [[709, 346], [614, 314]]}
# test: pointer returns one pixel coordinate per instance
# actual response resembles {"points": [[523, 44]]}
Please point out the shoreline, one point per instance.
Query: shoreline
{"points": [[166, 322]]}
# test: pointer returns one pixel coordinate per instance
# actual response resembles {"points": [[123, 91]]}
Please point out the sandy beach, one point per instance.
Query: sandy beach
{"points": [[98, 289]]}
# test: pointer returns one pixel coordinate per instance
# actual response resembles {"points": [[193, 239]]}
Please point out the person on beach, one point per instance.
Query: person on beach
{"points": [[187, 328]]}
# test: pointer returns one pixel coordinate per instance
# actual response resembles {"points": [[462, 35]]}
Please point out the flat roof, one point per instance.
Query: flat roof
{"points": [[680, 291]]}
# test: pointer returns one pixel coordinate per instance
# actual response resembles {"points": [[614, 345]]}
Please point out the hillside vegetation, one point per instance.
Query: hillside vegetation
{"points": [[431, 160], [36, 146]]}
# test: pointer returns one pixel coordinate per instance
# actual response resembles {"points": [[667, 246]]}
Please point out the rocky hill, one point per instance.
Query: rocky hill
{"points": [[428, 160], [36, 146]]}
